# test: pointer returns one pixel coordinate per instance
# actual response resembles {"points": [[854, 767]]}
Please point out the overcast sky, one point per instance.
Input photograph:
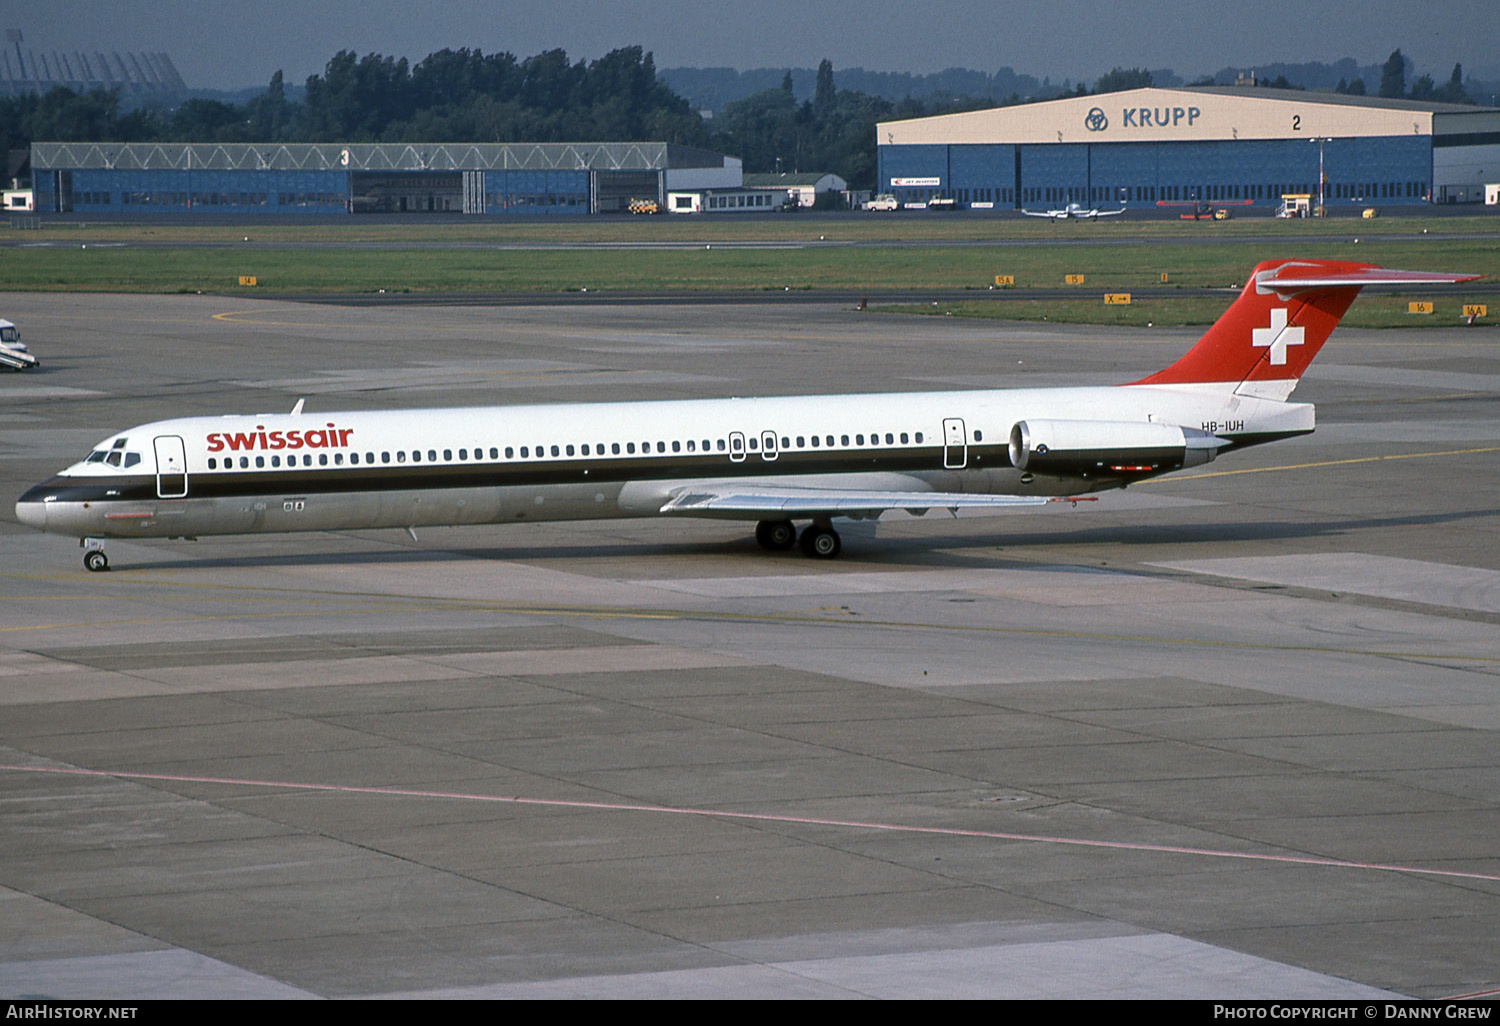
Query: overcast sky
{"points": [[228, 44]]}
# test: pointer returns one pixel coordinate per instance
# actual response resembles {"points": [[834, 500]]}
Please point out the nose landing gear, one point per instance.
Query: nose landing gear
{"points": [[94, 559]]}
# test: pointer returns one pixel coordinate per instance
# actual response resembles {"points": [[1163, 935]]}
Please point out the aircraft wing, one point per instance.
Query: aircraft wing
{"points": [[773, 501], [1045, 213], [1108, 213]]}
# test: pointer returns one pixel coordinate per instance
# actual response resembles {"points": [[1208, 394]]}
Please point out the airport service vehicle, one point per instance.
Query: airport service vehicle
{"points": [[13, 352], [1073, 212], [773, 461], [885, 201], [1218, 210]]}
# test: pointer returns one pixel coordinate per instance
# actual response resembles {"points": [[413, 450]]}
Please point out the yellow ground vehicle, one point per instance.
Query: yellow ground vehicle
{"points": [[644, 206]]}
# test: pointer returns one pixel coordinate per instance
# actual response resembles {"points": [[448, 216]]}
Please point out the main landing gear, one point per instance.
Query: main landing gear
{"points": [[818, 540], [94, 559]]}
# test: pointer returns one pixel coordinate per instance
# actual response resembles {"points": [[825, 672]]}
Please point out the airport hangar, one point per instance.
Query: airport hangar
{"points": [[334, 178], [1205, 144]]}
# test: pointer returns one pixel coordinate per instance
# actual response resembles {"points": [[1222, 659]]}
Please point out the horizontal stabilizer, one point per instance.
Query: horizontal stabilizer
{"points": [[1286, 279], [1286, 311]]}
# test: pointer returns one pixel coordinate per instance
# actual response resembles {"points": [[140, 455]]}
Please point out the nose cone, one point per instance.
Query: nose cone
{"points": [[31, 510]]}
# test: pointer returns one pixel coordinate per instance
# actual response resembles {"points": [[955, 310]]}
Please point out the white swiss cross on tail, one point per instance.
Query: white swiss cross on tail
{"points": [[1278, 336]]}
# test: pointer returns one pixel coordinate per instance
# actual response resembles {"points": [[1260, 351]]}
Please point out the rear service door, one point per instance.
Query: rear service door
{"points": [[955, 444], [171, 467]]}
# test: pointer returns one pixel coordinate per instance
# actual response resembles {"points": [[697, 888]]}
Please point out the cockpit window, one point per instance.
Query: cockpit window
{"points": [[115, 458], [10, 335], [132, 458], [97, 456]]}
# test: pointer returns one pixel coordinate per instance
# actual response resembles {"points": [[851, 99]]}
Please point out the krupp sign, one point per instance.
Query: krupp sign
{"points": [[1143, 117]]}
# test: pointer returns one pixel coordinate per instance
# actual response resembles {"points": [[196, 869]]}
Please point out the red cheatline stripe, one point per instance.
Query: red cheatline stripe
{"points": [[762, 817]]}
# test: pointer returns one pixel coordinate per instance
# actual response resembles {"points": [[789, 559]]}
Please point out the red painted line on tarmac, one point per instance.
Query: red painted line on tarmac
{"points": [[765, 817], [1470, 996]]}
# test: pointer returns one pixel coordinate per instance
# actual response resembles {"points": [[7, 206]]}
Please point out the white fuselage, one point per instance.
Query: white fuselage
{"points": [[349, 470]]}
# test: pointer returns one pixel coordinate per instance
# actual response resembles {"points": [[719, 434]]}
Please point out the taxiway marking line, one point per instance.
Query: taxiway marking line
{"points": [[766, 817], [1323, 463]]}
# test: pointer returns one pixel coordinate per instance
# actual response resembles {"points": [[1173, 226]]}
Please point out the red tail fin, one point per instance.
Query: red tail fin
{"points": [[1287, 310]]}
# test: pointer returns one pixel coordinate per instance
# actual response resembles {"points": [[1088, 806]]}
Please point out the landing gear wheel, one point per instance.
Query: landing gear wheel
{"points": [[820, 542], [95, 561], [776, 534]]}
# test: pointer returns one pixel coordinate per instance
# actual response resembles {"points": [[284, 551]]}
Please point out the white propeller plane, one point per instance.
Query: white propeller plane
{"points": [[1073, 212]]}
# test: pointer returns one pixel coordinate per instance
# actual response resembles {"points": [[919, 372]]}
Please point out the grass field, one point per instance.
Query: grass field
{"points": [[870, 254]]}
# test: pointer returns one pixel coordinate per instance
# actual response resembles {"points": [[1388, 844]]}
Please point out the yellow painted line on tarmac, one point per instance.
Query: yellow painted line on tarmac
{"points": [[1322, 463], [234, 317]]}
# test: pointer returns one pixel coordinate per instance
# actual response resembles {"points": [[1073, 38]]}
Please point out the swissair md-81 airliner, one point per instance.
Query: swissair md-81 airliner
{"points": [[771, 460]]}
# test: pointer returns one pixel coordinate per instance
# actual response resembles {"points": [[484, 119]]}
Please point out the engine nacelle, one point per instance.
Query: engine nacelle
{"points": [[1098, 448]]}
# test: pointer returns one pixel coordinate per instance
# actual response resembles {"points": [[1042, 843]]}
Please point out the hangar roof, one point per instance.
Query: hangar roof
{"points": [[335, 156], [1193, 114]]}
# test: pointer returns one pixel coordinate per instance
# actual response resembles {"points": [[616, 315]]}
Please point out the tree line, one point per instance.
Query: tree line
{"points": [[469, 96]]}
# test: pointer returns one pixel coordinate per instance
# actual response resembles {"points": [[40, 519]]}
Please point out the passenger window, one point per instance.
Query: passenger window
{"points": [[213, 464], [889, 439], [447, 455], [661, 446], [786, 443], [801, 442], [322, 459], [260, 462], [431, 455], [307, 461], [830, 441], [244, 462], [754, 442], [275, 461], [719, 444], [815, 441], [843, 439], [903, 438], [630, 448], [676, 446], [495, 454], [584, 451], [524, 454], [463, 454], [416, 455], [510, 452], [706, 446], [615, 448], [555, 451], [919, 438], [859, 439], [692, 446], [400, 455], [338, 459], [369, 457], [353, 458], [978, 435], [385, 457]]}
